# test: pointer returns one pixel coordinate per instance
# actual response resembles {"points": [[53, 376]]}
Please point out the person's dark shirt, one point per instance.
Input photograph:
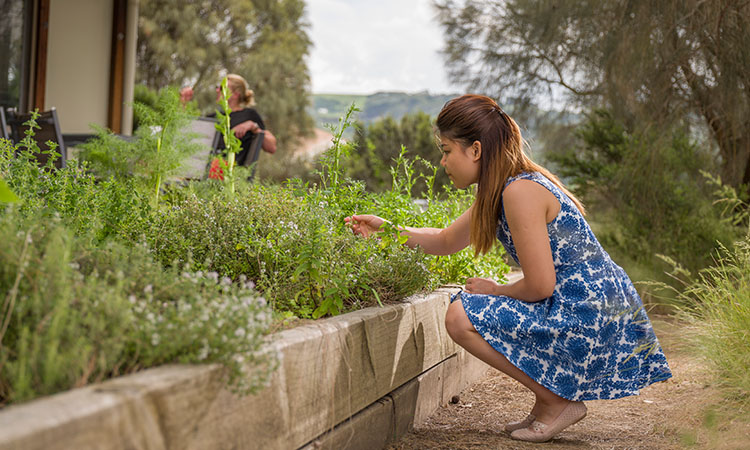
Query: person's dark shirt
{"points": [[236, 118]]}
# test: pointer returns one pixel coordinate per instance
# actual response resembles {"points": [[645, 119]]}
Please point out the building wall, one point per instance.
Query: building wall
{"points": [[78, 62]]}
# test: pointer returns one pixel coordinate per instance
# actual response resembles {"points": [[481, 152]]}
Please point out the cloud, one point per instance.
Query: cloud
{"points": [[362, 47]]}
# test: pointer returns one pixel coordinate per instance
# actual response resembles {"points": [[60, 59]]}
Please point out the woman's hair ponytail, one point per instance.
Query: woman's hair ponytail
{"points": [[238, 84]]}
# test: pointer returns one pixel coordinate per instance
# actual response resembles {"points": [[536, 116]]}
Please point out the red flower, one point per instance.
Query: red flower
{"points": [[216, 172]]}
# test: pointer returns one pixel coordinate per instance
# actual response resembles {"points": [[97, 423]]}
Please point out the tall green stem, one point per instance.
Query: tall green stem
{"points": [[231, 142], [230, 155], [158, 173]]}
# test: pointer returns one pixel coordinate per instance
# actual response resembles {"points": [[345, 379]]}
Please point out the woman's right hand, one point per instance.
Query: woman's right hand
{"points": [[186, 94], [364, 224]]}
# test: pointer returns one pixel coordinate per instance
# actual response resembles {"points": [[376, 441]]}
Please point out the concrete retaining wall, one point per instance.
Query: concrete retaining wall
{"points": [[359, 380]]}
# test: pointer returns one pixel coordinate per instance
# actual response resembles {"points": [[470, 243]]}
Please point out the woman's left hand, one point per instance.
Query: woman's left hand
{"points": [[481, 286]]}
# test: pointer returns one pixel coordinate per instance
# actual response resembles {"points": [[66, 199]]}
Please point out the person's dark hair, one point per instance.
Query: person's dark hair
{"points": [[472, 118]]}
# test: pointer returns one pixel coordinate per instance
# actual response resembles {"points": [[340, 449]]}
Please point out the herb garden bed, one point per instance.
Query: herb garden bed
{"points": [[359, 380], [112, 277]]}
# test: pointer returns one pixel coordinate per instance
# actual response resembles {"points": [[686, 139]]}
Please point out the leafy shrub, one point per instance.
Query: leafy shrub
{"points": [[648, 192], [292, 245], [291, 240], [379, 146], [74, 314], [98, 209], [84, 303], [160, 146], [146, 96], [100, 281]]}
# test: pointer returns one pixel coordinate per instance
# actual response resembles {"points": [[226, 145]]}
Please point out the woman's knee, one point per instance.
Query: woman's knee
{"points": [[456, 321]]}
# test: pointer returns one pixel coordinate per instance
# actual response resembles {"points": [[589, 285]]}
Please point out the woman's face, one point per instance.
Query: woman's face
{"points": [[461, 163]]}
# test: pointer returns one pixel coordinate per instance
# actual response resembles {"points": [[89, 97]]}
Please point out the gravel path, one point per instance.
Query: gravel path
{"points": [[667, 415]]}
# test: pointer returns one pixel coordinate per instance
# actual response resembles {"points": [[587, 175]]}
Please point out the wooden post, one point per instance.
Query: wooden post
{"points": [[40, 72], [117, 65]]}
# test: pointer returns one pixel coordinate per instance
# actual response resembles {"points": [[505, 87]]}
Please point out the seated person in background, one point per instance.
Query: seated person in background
{"points": [[244, 120]]}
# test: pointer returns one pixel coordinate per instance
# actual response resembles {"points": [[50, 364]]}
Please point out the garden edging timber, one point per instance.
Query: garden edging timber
{"points": [[359, 380]]}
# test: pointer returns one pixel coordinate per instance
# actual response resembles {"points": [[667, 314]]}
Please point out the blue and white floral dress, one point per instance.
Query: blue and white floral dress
{"points": [[592, 338]]}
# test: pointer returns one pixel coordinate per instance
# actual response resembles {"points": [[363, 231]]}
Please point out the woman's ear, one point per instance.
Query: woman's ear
{"points": [[476, 150]]}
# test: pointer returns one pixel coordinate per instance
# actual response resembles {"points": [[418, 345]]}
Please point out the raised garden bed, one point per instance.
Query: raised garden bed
{"points": [[359, 380]]}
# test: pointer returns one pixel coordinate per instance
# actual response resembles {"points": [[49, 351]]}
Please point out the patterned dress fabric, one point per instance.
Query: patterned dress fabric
{"points": [[592, 338]]}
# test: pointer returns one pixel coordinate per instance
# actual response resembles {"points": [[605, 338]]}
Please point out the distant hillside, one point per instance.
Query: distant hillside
{"points": [[328, 108]]}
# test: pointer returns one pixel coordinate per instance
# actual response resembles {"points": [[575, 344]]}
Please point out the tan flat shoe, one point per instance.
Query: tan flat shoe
{"points": [[540, 432], [525, 423]]}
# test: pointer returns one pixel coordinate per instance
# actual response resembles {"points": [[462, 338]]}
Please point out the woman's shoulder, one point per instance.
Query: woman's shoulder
{"points": [[527, 183], [521, 185], [522, 176]]}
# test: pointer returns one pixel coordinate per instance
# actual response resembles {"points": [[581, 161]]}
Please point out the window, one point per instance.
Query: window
{"points": [[15, 48]]}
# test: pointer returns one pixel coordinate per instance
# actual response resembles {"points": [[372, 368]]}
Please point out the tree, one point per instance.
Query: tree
{"points": [[191, 41], [194, 42], [654, 63], [379, 144], [276, 65]]}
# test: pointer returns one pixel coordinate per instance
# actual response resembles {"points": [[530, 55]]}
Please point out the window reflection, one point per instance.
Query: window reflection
{"points": [[12, 60]]}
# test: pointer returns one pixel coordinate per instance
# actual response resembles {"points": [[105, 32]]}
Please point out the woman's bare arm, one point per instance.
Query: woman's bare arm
{"points": [[528, 206], [435, 241], [269, 142]]}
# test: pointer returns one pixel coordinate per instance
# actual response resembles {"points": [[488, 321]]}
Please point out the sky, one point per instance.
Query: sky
{"points": [[367, 46]]}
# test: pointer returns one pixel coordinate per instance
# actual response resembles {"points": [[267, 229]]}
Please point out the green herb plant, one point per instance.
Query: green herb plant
{"points": [[231, 142], [156, 152], [332, 172], [84, 300], [114, 279]]}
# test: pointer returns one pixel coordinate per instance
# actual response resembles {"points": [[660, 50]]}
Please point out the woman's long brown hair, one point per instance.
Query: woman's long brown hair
{"points": [[472, 118]]}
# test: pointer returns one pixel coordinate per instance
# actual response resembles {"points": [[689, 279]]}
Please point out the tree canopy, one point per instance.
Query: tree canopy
{"points": [[194, 42], [655, 63]]}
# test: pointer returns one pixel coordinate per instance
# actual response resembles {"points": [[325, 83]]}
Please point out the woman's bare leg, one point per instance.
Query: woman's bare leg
{"points": [[548, 404]]}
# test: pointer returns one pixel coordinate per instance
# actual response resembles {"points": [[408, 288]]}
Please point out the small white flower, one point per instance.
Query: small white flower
{"points": [[148, 289], [239, 332]]}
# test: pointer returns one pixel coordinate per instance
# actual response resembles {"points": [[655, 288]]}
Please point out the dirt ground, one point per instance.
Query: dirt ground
{"points": [[676, 413]]}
